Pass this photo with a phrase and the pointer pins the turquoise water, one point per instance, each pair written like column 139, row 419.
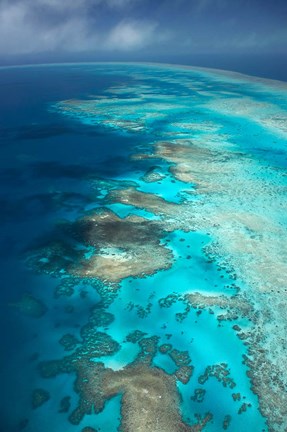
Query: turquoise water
column 71, row 136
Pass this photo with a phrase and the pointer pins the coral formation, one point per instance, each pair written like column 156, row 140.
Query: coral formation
column 121, row 248
column 142, row 200
column 228, row 195
column 65, row 404
column 39, row 397
column 30, row 306
column 150, row 399
column 220, row 372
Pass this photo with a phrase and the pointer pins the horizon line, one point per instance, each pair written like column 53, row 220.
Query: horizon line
column 214, row 71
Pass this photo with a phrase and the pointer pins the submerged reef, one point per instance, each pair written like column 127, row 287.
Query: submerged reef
column 69, row 342
column 65, row 404
column 234, row 210
column 220, row 372
column 226, row 422
column 30, row 306
column 120, row 248
column 150, row 202
column 39, row 397
column 89, row 429
column 196, row 164
column 153, row 174
column 94, row 344
column 150, row 399
column 199, row 394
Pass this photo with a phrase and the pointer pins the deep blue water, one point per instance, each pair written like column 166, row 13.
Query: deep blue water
column 45, row 163
column 267, row 65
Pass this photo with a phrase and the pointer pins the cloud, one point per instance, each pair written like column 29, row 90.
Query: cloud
column 97, row 26
column 20, row 33
column 64, row 5
column 32, row 26
column 131, row 34
column 120, row 3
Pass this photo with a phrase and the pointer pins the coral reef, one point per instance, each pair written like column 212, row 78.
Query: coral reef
column 65, row 404
column 150, row 399
column 231, row 196
column 69, row 342
column 198, row 395
column 39, row 397
column 220, row 372
column 154, row 174
column 142, row 200
column 226, row 422
column 30, row 306
column 122, row 248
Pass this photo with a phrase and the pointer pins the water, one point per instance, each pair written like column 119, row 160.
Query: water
column 71, row 137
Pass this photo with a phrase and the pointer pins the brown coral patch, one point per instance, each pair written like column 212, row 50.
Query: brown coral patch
column 150, row 399
column 117, row 248
column 147, row 201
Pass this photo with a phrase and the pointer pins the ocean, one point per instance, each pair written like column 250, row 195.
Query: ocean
column 143, row 253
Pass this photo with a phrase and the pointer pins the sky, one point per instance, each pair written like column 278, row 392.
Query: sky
column 141, row 29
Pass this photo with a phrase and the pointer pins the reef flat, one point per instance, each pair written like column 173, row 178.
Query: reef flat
column 164, row 305
column 150, row 399
column 105, row 247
